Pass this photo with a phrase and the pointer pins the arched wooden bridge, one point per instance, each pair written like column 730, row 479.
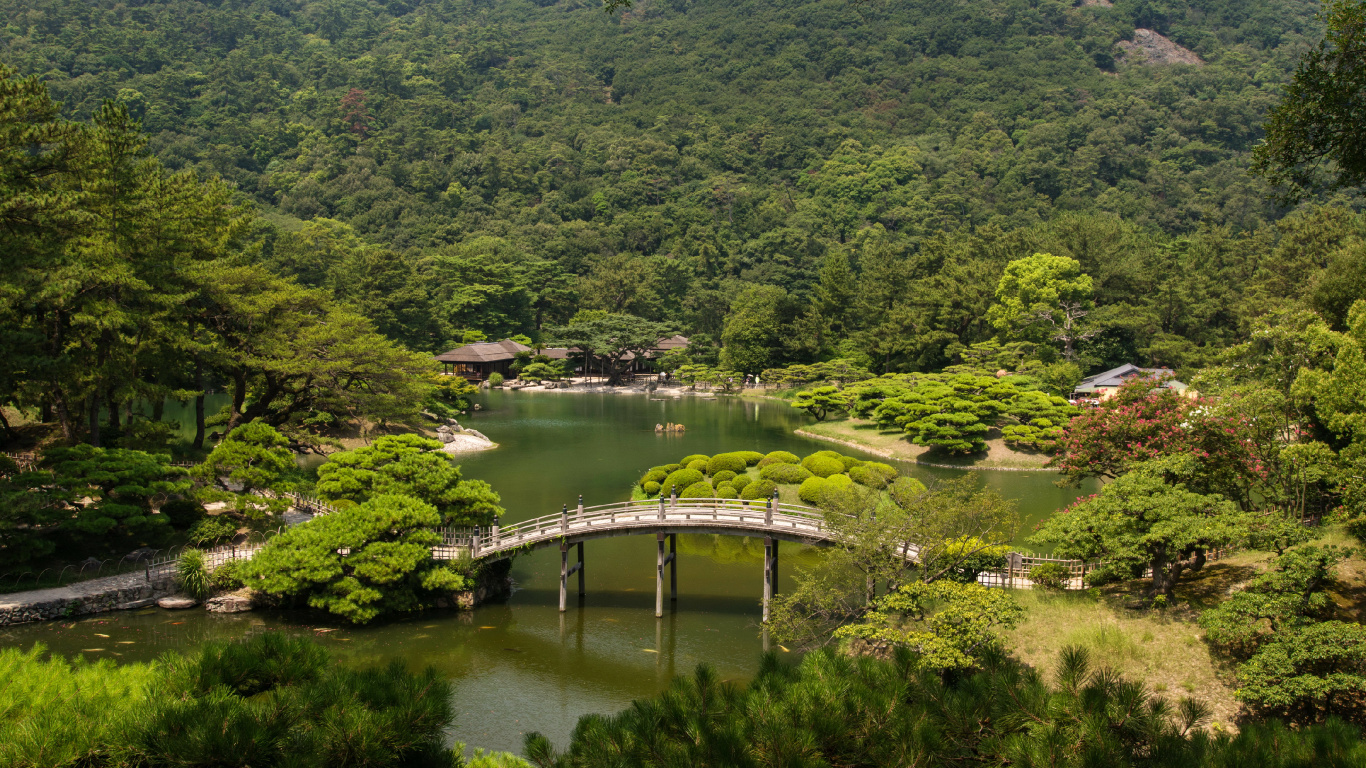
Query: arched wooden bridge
column 666, row 518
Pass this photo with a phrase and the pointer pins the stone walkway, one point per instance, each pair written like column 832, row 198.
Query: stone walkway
column 108, row 593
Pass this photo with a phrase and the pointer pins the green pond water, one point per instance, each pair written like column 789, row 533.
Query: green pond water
column 523, row 665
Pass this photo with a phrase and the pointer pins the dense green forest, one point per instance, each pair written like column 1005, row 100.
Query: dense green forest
column 847, row 178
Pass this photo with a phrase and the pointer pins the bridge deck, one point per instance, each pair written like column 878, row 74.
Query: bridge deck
column 730, row 516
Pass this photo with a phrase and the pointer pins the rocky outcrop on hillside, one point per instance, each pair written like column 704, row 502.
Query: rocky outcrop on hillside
column 1152, row 49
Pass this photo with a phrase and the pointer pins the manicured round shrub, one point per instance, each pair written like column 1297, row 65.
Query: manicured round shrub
column 740, row 481
column 873, row 474
column 680, row 479
column 672, row 467
column 779, row 457
column 759, row 489
column 837, row 488
column 698, row 490
column 651, row 488
column 655, row 476
column 827, row 454
column 812, row 489
column 724, row 476
column 182, row 513
column 784, row 474
column 751, row 457
column 727, row 492
column 699, row 465
column 686, row 460
column 850, row 462
column 823, row 466
column 723, row 462
column 1049, row 575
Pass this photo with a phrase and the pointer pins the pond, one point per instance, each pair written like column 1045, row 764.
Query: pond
column 522, row 665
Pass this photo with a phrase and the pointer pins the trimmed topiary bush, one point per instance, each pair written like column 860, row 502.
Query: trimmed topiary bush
column 724, row 476
column 698, row 490
column 672, row 467
column 182, row 513
column 751, row 457
column 723, row 462
column 812, row 489
column 740, row 481
column 727, row 492
column 681, row 479
column 779, row 457
column 785, row 474
column 651, row 488
column 850, row 462
column 1049, row 575
column 686, row 460
column 699, row 465
column 873, row 474
column 823, row 466
column 827, row 453
column 655, row 476
column 758, row 490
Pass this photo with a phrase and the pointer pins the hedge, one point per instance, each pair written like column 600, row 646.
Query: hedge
column 812, row 489
column 723, row 462
column 672, row 467
column 779, row 457
column 686, row 460
column 699, row 465
column 759, row 489
column 726, row 492
column 827, row 453
column 785, row 474
column 681, row 479
column 724, row 476
column 655, row 476
column 850, row 462
column 751, row 457
column 873, row 474
column 823, row 466
column 651, row 488
column 698, row 490
column 740, row 481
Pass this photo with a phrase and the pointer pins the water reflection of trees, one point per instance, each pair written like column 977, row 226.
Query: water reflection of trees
column 723, row 548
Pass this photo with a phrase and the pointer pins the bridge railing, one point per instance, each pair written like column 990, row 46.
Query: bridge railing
column 623, row 515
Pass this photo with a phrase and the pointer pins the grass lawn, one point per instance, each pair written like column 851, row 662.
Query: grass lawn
column 892, row 443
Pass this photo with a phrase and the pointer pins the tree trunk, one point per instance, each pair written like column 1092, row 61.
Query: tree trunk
column 64, row 415
column 114, row 423
column 95, row 420
column 239, row 397
column 198, row 404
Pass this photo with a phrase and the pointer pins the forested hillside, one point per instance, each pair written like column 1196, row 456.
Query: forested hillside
column 850, row 177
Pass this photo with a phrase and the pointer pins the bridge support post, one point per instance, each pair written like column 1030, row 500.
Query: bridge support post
column 564, row 519
column 770, row 571
column 580, row 548
column 673, row 567
column 659, row 576
column 564, row 575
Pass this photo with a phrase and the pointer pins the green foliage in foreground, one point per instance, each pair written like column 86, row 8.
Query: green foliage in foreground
column 262, row 702
column 832, row 710
column 361, row 561
column 1297, row 660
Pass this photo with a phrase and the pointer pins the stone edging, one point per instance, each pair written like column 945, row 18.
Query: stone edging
column 112, row 593
column 889, row 455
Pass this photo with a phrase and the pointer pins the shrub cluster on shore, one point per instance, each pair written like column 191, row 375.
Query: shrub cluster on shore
column 754, row 476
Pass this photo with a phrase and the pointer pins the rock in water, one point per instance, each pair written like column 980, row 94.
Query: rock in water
column 229, row 603
column 177, row 602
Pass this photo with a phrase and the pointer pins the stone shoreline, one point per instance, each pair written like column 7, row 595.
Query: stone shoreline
column 110, row 593
column 886, row 454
